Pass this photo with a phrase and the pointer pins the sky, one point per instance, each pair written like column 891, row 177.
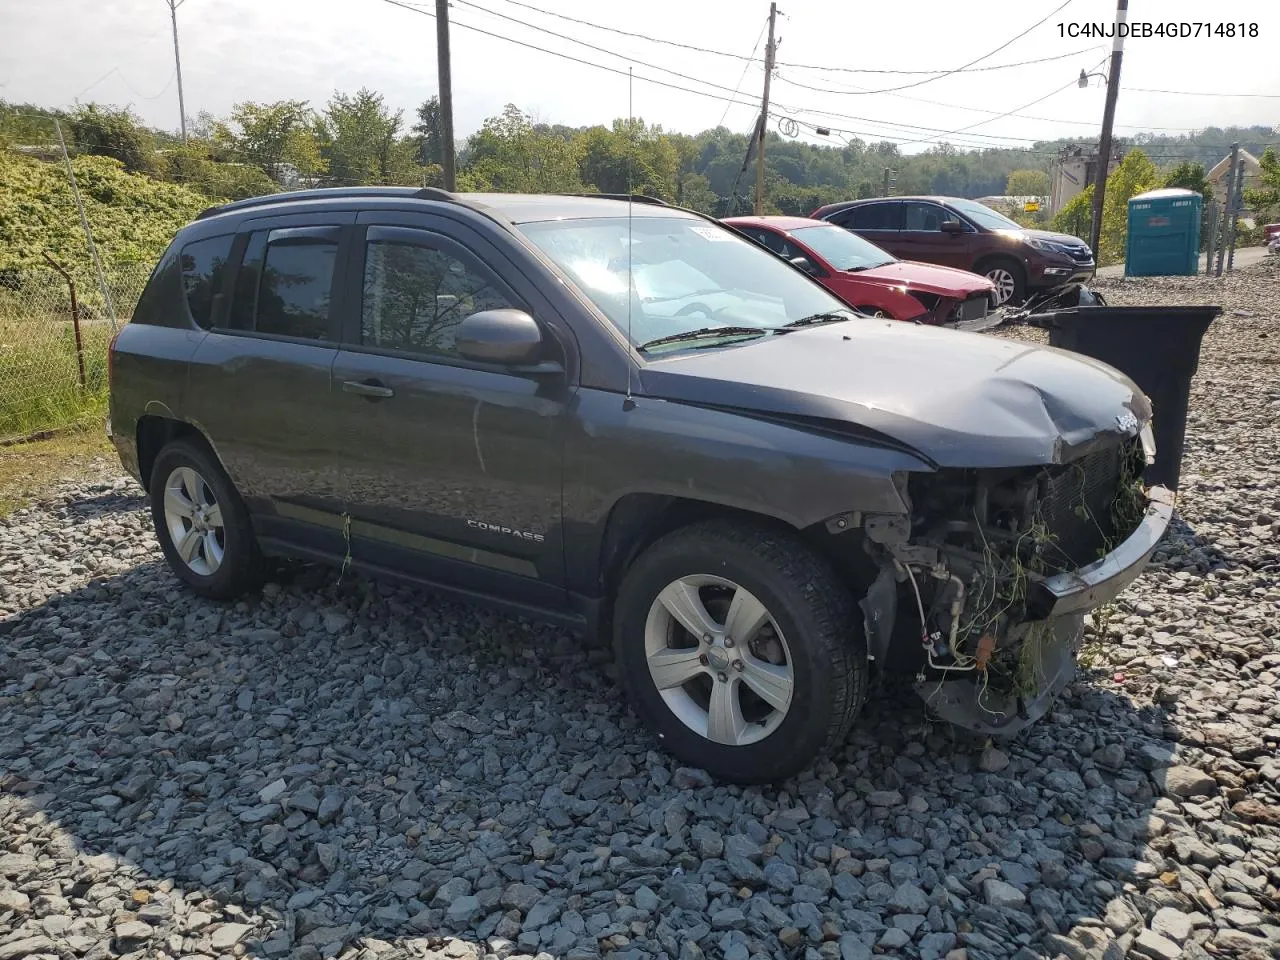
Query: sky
column 58, row 52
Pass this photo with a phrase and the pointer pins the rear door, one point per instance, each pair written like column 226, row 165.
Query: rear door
column 879, row 222
column 454, row 466
column 259, row 383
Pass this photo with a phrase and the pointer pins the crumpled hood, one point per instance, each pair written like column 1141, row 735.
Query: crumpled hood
column 958, row 399
column 927, row 277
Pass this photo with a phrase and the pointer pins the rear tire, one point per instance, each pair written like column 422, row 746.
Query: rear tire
column 202, row 524
column 781, row 693
column 1009, row 277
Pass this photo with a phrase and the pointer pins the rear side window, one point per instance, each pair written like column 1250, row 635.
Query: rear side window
column 204, row 262
column 285, row 283
column 874, row 216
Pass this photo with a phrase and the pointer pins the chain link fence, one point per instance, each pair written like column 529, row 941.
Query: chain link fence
column 54, row 332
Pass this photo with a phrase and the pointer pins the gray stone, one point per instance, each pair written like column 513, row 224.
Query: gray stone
column 909, row 898
column 993, row 760
column 1172, row 923
column 1150, row 944
column 17, row 949
column 935, row 946
column 463, row 910
column 645, row 899
column 686, row 894
column 852, row 948
column 1001, row 895
column 228, row 935
column 1184, row 781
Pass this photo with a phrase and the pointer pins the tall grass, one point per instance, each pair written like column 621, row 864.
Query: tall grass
column 40, row 385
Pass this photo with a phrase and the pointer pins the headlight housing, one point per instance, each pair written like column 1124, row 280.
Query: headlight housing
column 1048, row 246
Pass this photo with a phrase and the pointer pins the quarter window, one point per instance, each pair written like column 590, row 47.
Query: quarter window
column 923, row 216
column 204, row 263
column 415, row 296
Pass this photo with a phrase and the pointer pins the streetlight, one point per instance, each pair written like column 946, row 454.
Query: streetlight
column 1084, row 78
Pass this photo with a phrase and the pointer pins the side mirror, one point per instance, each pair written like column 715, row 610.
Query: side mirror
column 952, row 226
column 506, row 336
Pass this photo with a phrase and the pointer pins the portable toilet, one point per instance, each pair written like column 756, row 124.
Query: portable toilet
column 1164, row 233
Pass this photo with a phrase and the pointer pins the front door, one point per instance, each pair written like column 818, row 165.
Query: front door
column 879, row 222
column 453, row 468
column 922, row 237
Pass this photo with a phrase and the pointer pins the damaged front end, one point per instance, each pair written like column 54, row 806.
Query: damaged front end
column 983, row 587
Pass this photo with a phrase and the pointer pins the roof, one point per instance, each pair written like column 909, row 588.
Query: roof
column 1219, row 169
column 1165, row 193
column 778, row 223
column 514, row 207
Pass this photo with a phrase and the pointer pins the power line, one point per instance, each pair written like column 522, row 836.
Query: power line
column 798, row 66
column 585, row 63
column 745, row 70
column 971, row 109
column 971, row 63
column 1202, row 93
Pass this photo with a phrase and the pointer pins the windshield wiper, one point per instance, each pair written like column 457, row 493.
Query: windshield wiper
column 830, row 316
column 703, row 333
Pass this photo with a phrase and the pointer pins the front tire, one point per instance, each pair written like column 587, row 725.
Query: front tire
column 1010, row 280
column 741, row 649
column 202, row 524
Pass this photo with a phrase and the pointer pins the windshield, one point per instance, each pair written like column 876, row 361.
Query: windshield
column 842, row 249
column 984, row 216
column 686, row 275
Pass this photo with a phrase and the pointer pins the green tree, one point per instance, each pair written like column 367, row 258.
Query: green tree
column 360, row 137
column 1076, row 215
column 1136, row 174
column 1027, row 183
column 107, row 132
column 629, row 157
column 1265, row 198
column 1189, row 176
column 270, row 135
column 427, row 131
column 508, row 154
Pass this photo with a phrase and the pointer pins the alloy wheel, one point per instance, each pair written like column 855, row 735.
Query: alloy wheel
column 1005, row 284
column 719, row 660
column 194, row 521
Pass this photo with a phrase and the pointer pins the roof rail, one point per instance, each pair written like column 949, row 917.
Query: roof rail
column 336, row 193
column 634, row 197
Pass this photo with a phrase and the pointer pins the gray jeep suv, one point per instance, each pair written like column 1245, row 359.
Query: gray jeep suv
column 624, row 417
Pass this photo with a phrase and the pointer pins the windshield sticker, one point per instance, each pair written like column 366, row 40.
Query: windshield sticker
column 713, row 233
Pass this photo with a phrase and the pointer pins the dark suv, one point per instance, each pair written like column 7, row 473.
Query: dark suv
column 626, row 418
column 955, row 232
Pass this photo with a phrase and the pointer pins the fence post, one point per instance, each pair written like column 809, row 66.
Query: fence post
column 84, row 222
column 1238, row 207
column 1211, row 237
column 75, row 313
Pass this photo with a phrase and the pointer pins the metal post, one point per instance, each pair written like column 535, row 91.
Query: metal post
column 75, row 313
column 1228, row 213
column 1211, row 237
column 445, row 79
column 1237, row 207
column 177, row 65
column 84, row 222
column 1108, row 119
column 764, row 112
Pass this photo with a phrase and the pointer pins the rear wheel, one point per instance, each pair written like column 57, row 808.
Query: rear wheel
column 202, row 524
column 1009, row 278
column 740, row 648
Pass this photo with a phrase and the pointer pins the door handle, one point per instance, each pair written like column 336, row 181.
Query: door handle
column 367, row 388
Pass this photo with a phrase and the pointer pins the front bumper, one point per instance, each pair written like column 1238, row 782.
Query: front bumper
column 1057, row 273
column 1079, row 591
column 1056, row 608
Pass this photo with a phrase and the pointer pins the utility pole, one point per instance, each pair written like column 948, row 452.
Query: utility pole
column 885, row 191
column 446, row 94
column 1108, row 118
column 177, row 63
column 1229, row 207
column 764, row 111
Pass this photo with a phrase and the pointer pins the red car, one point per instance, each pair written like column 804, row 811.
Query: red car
column 868, row 278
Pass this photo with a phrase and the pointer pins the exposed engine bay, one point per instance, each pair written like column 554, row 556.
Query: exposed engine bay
column 964, row 576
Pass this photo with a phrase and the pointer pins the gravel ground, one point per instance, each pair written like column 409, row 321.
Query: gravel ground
column 341, row 768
